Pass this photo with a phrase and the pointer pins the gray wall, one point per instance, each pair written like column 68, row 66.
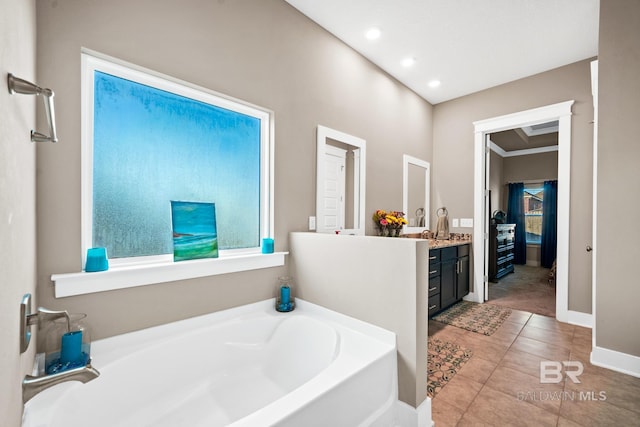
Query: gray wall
column 17, row 199
column 261, row 51
column 617, row 286
column 541, row 166
column 518, row 169
column 453, row 144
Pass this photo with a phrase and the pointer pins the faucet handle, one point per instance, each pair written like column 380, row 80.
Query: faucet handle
column 44, row 314
column 29, row 319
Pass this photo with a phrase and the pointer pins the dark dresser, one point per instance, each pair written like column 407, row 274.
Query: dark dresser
column 501, row 247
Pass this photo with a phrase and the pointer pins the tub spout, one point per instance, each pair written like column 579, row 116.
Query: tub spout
column 33, row 385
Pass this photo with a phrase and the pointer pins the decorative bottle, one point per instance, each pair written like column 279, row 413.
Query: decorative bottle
column 284, row 295
column 67, row 343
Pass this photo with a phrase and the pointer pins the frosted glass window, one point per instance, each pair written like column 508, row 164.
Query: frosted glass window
column 151, row 145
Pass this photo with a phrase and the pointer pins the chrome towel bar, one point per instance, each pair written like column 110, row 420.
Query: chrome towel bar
column 18, row 85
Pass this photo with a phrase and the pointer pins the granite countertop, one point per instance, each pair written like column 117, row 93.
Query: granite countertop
column 433, row 243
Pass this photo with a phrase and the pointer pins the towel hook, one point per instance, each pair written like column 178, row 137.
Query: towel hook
column 18, row 85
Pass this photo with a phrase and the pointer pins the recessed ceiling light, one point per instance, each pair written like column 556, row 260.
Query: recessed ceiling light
column 408, row 62
column 373, row 33
column 434, row 83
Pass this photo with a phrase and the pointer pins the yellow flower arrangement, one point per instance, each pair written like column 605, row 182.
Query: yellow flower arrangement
column 389, row 222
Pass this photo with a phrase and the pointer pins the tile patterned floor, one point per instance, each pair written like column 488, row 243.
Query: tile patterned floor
column 500, row 385
column 527, row 288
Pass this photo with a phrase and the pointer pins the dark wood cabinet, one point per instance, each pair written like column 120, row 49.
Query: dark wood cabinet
column 463, row 274
column 448, row 276
column 434, row 282
column 501, row 250
column 449, row 270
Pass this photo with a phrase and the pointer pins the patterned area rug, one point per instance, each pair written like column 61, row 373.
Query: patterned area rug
column 481, row 318
column 444, row 360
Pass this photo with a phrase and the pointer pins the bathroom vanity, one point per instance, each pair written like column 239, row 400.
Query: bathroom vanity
column 448, row 274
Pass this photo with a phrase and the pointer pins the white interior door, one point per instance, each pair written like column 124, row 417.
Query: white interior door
column 487, row 214
column 334, row 188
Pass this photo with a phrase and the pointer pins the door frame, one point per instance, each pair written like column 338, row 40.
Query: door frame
column 340, row 154
column 323, row 135
column 561, row 112
column 594, row 230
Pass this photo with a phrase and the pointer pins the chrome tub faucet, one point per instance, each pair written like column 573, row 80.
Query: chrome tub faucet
column 33, row 385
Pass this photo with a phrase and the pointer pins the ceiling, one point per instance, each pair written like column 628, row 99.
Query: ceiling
column 467, row 45
column 543, row 135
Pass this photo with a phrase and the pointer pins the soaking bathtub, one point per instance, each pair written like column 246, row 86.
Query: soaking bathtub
column 246, row 366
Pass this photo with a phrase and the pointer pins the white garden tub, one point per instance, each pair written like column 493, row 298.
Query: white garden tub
column 247, row 366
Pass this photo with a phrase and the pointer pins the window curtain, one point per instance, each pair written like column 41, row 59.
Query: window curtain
column 548, row 247
column 515, row 215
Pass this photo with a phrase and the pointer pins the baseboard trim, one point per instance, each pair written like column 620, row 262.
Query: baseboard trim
column 410, row 416
column 473, row 297
column 580, row 319
column 616, row 361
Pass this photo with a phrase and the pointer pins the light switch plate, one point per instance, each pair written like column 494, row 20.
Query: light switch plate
column 466, row 222
column 312, row 223
column 454, row 223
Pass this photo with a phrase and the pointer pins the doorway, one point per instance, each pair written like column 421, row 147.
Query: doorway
column 562, row 113
column 520, row 162
column 523, row 168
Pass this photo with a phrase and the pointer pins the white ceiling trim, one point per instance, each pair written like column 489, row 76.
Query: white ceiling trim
column 502, row 153
column 535, row 131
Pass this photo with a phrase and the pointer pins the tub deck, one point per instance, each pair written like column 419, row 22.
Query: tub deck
column 247, row 366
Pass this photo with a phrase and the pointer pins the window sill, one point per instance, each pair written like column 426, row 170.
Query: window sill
column 70, row 284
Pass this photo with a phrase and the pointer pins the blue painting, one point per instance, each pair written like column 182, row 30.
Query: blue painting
column 194, row 230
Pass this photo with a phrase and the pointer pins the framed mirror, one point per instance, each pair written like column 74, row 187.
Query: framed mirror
column 340, row 182
column 416, row 179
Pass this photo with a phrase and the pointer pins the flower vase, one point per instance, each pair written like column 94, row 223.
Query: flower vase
column 384, row 232
column 393, row 232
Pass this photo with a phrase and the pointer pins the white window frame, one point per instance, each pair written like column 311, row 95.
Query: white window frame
column 528, row 242
column 146, row 270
